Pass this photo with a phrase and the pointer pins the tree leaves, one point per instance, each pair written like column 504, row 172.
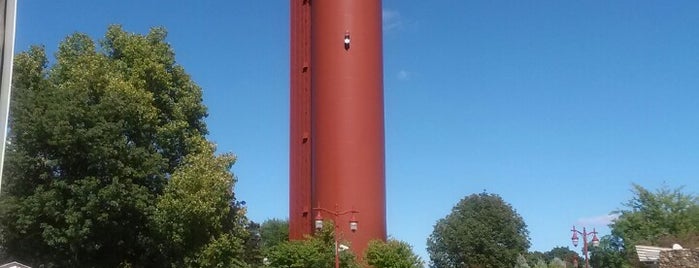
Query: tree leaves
column 481, row 231
column 108, row 164
column 195, row 208
column 316, row 251
column 273, row 232
column 391, row 254
column 660, row 218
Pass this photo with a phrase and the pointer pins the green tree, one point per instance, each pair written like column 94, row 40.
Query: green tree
column 94, row 140
column 197, row 225
column 557, row 263
column 540, row 263
column 482, row 230
column 609, row 253
column 534, row 256
column 661, row 218
column 253, row 245
column 563, row 253
column 391, row 254
column 316, row 251
column 273, row 232
column 521, row 262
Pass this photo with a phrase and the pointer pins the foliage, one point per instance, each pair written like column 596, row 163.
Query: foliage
column 108, row 164
column 194, row 217
column 223, row 251
column 660, row 218
column 557, row 263
column 391, row 254
column 565, row 254
column 534, row 256
column 521, row 262
column 316, row 251
column 273, row 232
column 609, row 253
column 252, row 254
column 540, row 264
column 482, row 230
column 297, row 254
column 650, row 216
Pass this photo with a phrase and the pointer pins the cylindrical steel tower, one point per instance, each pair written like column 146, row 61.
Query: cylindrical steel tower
column 347, row 114
column 300, row 187
column 347, row 123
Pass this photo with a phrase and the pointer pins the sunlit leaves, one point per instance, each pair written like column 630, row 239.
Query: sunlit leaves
column 659, row 218
column 391, row 254
column 314, row 252
column 95, row 137
column 481, row 229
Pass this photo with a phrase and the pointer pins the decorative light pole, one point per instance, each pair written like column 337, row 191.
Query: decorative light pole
column 585, row 234
column 8, row 11
column 353, row 225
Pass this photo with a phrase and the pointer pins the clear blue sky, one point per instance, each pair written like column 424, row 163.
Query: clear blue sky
column 558, row 106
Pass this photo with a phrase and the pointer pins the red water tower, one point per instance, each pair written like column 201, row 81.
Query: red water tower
column 337, row 122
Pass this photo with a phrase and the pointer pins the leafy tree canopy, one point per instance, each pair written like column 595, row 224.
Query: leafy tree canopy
column 661, row 218
column 482, row 230
column 540, row 264
column 557, row 263
column 534, row 256
column 521, row 262
column 194, row 218
column 564, row 254
column 108, row 164
column 273, row 232
column 609, row 253
column 391, row 254
column 316, row 251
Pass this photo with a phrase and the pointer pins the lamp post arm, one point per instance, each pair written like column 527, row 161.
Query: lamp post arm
column 585, row 247
column 337, row 213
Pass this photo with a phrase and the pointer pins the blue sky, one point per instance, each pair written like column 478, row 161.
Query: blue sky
column 557, row 106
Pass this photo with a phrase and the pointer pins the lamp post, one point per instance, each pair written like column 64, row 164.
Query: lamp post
column 353, row 224
column 585, row 234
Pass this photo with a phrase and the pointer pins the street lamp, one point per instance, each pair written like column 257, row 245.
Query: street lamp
column 585, row 234
column 353, row 226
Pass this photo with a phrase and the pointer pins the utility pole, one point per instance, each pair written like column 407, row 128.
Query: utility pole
column 7, row 47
